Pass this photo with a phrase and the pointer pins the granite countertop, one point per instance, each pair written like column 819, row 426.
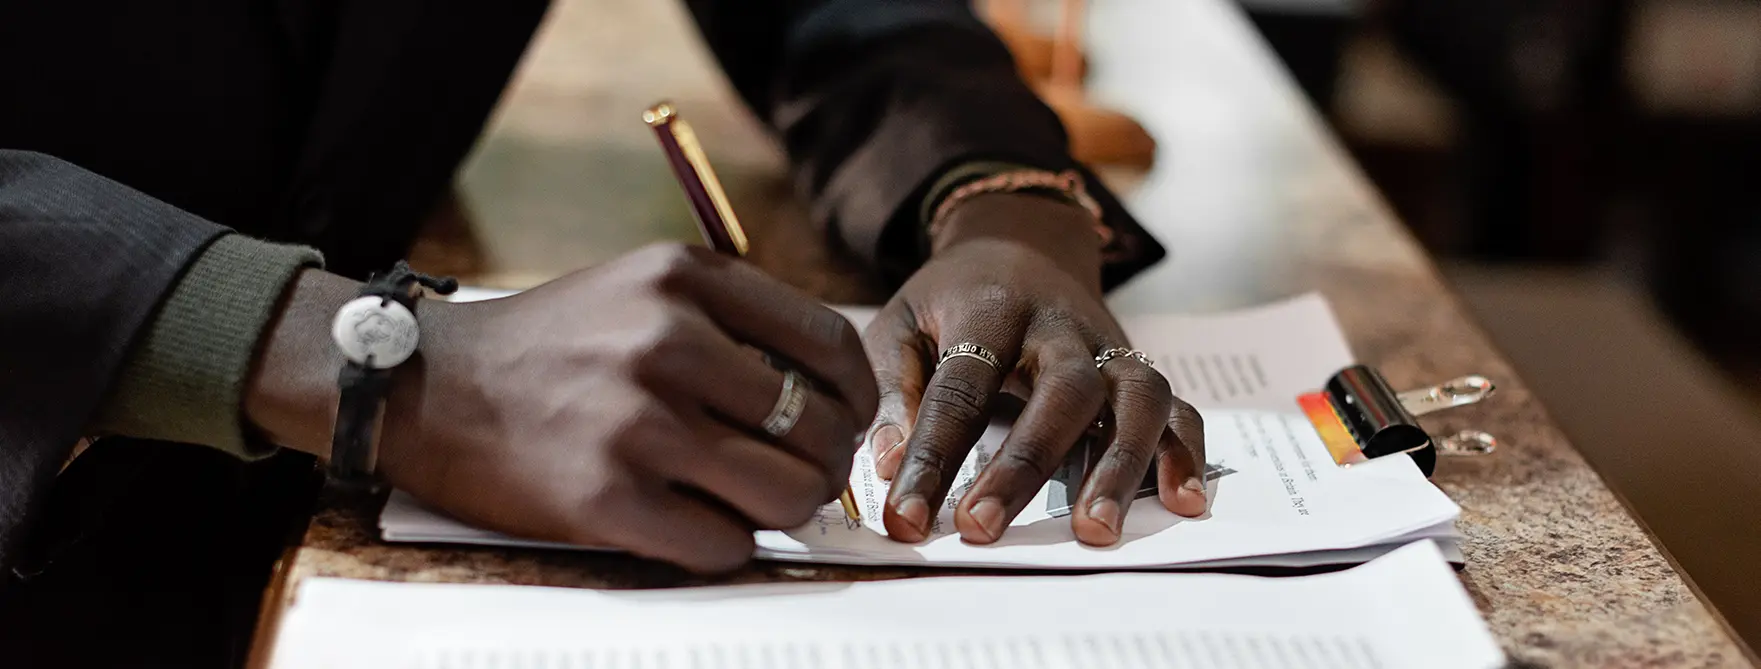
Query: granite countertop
column 1563, row 575
column 1256, row 202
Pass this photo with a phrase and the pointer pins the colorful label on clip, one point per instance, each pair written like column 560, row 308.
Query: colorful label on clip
column 1331, row 427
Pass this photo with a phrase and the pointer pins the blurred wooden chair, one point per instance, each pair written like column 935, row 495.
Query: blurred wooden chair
column 1055, row 66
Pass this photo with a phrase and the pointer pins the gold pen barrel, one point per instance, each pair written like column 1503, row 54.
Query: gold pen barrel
column 715, row 216
column 709, row 203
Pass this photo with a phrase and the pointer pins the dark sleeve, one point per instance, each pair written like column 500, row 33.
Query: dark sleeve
column 875, row 100
column 84, row 261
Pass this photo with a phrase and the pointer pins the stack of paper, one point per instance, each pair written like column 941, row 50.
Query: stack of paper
column 1403, row 610
column 1278, row 498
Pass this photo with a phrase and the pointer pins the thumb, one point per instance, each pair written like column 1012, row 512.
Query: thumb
column 901, row 356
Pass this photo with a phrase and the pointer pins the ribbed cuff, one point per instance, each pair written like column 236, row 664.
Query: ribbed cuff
column 185, row 379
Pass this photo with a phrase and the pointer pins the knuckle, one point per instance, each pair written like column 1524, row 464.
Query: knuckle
column 955, row 398
column 1083, row 380
column 557, row 410
column 931, row 461
column 1073, row 396
column 1058, row 318
column 642, row 429
column 994, row 298
column 607, row 497
column 1182, row 417
column 1148, row 382
column 1036, row 460
column 1141, row 391
column 662, row 351
column 1132, row 459
column 1189, row 428
column 669, row 267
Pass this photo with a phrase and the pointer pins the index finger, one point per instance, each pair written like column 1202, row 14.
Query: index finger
column 951, row 417
column 769, row 314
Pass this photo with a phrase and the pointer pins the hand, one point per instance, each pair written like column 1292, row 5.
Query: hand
column 1019, row 274
column 618, row 407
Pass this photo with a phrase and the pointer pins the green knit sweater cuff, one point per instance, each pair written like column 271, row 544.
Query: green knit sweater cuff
column 185, row 379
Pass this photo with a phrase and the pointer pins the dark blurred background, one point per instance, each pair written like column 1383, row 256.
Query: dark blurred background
column 1586, row 173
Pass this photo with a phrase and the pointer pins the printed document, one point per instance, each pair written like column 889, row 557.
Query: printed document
column 1278, row 498
column 1406, row 609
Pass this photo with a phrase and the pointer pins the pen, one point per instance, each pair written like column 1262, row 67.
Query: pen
column 715, row 217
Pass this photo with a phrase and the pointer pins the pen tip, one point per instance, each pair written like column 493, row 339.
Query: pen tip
column 660, row 113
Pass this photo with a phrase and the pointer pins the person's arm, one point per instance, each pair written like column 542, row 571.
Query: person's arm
column 184, row 380
column 84, row 263
column 876, row 101
column 615, row 407
column 578, row 411
column 882, row 106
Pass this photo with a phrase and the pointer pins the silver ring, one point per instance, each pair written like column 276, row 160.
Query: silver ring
column 970, row 350
column 789, row 407
column 1121, row 352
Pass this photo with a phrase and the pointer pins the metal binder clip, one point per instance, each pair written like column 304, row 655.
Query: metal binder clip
column 1467, row 442
column 1447, row 395
column 1360, row 417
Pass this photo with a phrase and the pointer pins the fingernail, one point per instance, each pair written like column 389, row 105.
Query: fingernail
column 1191, row 498
column 989, row 514
column 915, row 512
column 887, row 438
column 889, row 442
column 1106, row 511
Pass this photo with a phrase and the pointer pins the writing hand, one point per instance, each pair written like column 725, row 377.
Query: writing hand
column 621, row 407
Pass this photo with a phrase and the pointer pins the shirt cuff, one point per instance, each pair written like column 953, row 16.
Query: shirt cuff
column 185, row 379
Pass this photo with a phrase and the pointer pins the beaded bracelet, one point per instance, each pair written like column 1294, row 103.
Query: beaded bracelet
column 1067, row 184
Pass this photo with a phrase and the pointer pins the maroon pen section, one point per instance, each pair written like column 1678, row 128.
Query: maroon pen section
column 709, row 220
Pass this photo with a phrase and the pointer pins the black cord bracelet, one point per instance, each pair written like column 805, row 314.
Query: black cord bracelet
column 376, row 332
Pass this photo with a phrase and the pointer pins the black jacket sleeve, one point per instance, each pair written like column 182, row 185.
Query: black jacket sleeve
column 874, row 100
column 84, row 262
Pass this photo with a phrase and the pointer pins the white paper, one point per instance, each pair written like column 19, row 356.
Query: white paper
column 1275, row 490
column 1405, row 609
column 475, row 294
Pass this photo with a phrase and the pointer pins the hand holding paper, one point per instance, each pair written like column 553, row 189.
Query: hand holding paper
column 1018, row 277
